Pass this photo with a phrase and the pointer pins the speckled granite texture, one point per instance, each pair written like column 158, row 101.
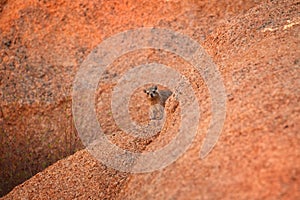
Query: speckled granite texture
column 255, row 45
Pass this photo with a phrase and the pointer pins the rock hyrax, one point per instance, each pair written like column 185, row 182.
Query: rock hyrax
column 157, row 100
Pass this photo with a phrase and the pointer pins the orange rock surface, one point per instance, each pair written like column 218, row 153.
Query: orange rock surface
column 255, row 45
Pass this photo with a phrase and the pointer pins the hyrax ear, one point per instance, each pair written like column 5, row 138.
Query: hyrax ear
column 145, row 90
column 155, row 87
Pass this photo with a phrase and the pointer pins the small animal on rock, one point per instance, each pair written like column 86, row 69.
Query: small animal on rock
column 157, row 100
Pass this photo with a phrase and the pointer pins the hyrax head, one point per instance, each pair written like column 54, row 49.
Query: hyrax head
column 152, row 92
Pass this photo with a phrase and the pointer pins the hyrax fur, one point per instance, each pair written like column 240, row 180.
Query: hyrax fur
column 157, row 100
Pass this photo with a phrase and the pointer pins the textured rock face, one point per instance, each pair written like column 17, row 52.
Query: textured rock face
column 256, row 48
